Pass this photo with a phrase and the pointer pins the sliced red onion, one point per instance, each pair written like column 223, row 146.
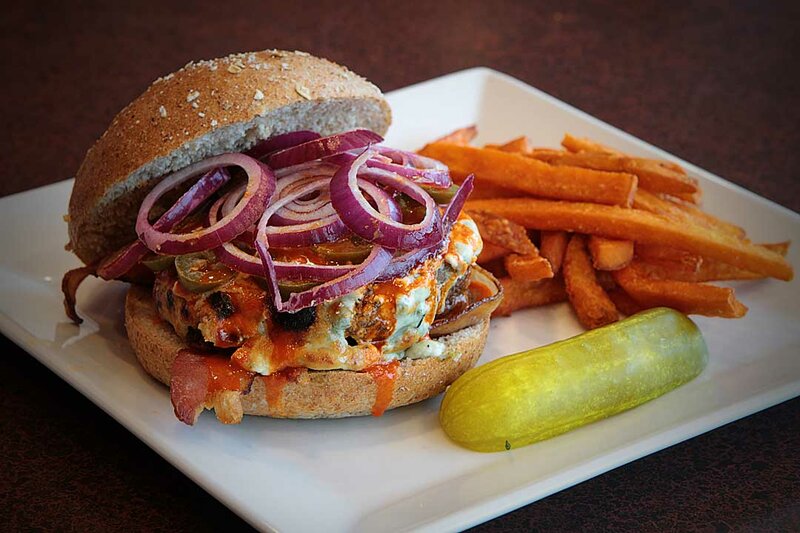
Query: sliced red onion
column 249, row 264
column 326, row 229
column 116, row 265
column 418, row 167
column 314, row 231
column 363, row 274
column 303, row 210
column 246, row 263
column 402, row 264
column 281, row 142
column 456, row 204
column 363, row 220
column 436, row 177
column 323, row 147
column 307, row 169
column 260, row 187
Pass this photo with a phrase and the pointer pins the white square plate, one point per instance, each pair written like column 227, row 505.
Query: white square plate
column 400, row 472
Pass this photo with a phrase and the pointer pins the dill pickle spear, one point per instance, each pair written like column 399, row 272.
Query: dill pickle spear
column 537, row 394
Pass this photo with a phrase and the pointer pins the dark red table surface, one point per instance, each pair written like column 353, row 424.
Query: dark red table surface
column 716, row 84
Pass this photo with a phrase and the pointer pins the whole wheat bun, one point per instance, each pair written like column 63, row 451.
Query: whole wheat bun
column 205, row 109
column 315, row 394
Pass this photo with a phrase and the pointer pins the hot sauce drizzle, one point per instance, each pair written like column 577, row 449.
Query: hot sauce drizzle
column 384, row 375
column 286, row 347
column 224, row 375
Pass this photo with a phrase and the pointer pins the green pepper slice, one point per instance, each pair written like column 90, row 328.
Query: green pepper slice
column 287, row 288
column 201, row 272
column 345, row 251
column 157, row 263
column 441, row 195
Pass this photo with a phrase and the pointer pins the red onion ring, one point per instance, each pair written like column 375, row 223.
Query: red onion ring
column 436, row 176
column 260, row 187
column 281, row 142
column 246, row 263
column 410, row 165
column 363, row 220
column 456, row 204
column 363, row 274
column 302, row 210
column 314, row 231
column 402, row 264
column 323, row 147
column 120, row 263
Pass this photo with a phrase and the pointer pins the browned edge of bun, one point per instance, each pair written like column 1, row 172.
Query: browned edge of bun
column 315, row 394
column 205, row 109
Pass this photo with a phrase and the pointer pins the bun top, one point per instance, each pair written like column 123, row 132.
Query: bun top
column 204, row 109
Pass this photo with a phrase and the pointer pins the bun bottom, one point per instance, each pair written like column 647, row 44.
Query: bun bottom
column 314, row 394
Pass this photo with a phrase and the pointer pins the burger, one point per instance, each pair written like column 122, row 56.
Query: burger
column 282, row 260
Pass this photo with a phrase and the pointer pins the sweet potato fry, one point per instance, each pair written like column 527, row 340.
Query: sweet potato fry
column 591, row 303
column 652, row 175
column 577, row 144
column 716, row 271
column 690, row 197
column 490, row 252
column 703, row 270
column 520, row 145
column 638, row 226
column 518, row 294
column 665, row 269
column 610, row 254
column 534, row 177
column 552, row 247
column 460, row 136
column 485, row 189
column 682, row 212
column 687, row 297
column 623, row 302
column 657, row 253
column 778, row 247
column 529, row 267
column 502, row 232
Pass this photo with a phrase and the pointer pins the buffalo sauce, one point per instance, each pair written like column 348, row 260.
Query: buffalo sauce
column 287, row 346
column 224, row 375
column 274, row 384
column 300, row 254
column 478, row 291
column 384, row 375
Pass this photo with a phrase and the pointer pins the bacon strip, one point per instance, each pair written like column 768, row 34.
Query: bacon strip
column 188, row 386
column 201, row 380
column 69, row 286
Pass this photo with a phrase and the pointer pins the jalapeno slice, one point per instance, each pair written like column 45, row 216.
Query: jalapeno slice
column 344, row 251
column 157, row 263
column 288, row 288
column 413, row 211
column 441, row 195
column 201, row 272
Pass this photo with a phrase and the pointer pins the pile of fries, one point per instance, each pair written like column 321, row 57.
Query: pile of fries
column 613, row 234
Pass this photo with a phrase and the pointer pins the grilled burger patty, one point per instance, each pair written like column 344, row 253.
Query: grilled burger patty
column 377, row 323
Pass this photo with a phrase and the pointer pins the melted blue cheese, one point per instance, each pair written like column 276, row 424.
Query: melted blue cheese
column 425, row 348
column 411, row 309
